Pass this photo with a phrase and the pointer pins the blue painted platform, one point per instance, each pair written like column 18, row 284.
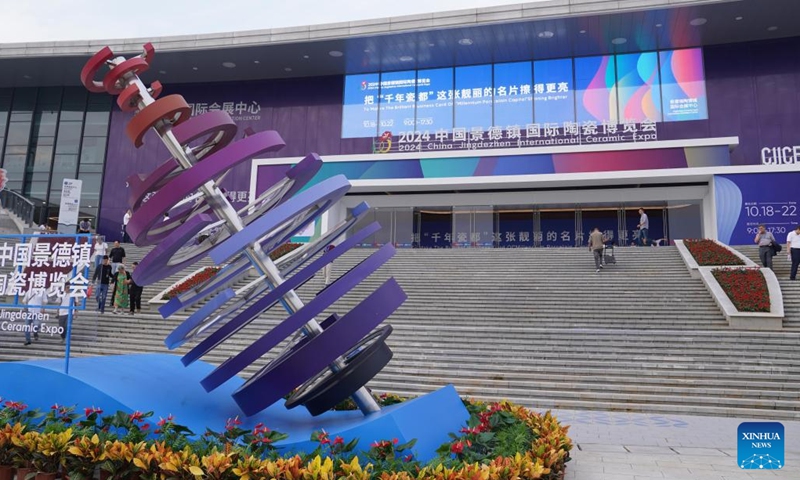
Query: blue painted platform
column 161, row 383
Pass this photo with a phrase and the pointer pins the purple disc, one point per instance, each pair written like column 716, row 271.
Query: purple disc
column 245, row 317
column 190, row 180
column 273, row 382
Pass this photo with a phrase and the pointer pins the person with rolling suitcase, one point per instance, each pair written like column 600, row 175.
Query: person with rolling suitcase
column 596, row 246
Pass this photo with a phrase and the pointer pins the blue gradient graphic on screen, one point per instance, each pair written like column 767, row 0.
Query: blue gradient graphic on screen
column 638, row 86
column 683, row 85
column 595, row 80
column 360, row 110
column 473, row 112
column 434, row 108
column 661, row 86
column 558, row 106
column 397, row 101
column 761, row 446
column 513, row 94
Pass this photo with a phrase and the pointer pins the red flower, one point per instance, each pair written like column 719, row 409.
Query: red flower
column 408, row 457
column 710, row 253
column 338, row 440
column 746, row 287
column 146, row 426
column 54, row 407
column 136, row 416
column 395, row 441
column 457, row 447
column 91, row 410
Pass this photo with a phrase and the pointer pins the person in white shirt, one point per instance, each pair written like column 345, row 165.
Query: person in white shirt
column 100, row 250
column 63, row 313
column 125, row 219
column 644, row 228
column 793, row 247
column 35, row 299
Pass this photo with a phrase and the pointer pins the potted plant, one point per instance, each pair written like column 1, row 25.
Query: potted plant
column 83, row 456
column 7, row 435
column 24, row 446
column 49, row 455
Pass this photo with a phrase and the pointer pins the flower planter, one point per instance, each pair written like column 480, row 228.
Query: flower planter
column 772, row 320
column 46, row 476
column 6, row 472
column 693, row 266
column 23, row 473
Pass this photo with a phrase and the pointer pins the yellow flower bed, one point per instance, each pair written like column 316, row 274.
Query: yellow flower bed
column 80, row 456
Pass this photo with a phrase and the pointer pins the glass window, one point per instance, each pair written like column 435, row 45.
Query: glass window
column 73, row 104
column 42, row 156
column 69, row 137
column 23, row 105
column 96, row 124
column 44, row 124
column 93, row 151
column 19, row 133
column 66, row 164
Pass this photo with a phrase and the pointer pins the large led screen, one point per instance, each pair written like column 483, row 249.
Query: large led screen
column 398, row 101
column 666, row 86
column 471, row 110
column 683, row 85
column 595, row 80
column 360, row 110
column 513, row 98
column 434, row 99
column 554, row 93
column 638, row 87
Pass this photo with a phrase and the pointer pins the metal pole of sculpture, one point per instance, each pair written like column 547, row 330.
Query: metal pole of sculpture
column 165, row 116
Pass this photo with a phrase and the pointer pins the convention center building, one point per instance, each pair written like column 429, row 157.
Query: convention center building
column 515, row 126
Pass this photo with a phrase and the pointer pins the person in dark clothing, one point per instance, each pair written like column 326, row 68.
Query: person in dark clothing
column 117, row 256
column 102, row 278
column 136, row 293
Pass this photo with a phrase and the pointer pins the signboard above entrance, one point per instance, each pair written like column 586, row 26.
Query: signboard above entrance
column 531, row 135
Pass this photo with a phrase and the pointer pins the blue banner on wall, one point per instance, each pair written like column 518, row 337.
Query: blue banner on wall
column 746, row 201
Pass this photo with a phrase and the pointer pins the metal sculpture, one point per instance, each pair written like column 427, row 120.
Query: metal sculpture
column 330, row 360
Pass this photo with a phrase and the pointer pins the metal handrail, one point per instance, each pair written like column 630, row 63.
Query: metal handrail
column 18, row 205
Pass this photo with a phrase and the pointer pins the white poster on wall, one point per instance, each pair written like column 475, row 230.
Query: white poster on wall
column 70, row 205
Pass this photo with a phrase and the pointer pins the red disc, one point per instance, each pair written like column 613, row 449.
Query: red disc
column 172, row 109
column 92, row 66
column 112, row 80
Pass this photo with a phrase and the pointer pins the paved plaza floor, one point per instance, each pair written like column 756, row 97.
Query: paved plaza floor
column 633, row 446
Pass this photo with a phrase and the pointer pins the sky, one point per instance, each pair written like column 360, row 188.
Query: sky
column 59, row 20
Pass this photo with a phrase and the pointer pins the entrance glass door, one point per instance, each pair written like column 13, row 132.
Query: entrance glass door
column 435, row 227
column 607, row 220
column 557, row 228
column 515, row 227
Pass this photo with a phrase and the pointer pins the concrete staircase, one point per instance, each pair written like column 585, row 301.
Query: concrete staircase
column 791, row 290
column 536, row 326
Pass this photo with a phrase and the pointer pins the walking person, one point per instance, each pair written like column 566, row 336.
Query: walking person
column 596, row 243
column 35, row 299
column 102, row 277
column 793, row 247
column 117, row 256
column 328, row 267
column 135, row 292
column 125, row 219
column 120, row 295
column 100, row 251
column 644, row 228
column 63, row 315
column 84, row 226
column 764, row 240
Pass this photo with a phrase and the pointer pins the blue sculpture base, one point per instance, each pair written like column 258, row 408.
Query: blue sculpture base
column 160, row 382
